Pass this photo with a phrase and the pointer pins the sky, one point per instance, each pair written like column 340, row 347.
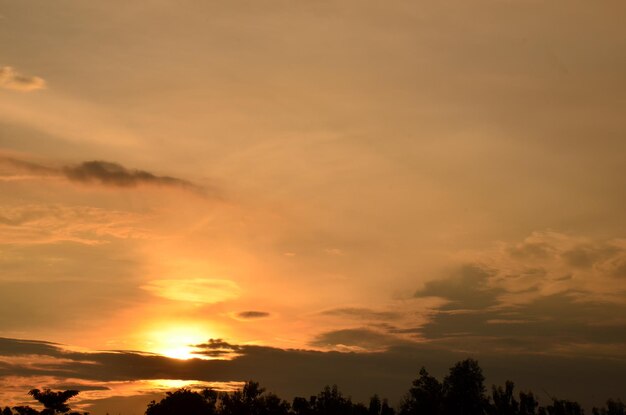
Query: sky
column 308, row 193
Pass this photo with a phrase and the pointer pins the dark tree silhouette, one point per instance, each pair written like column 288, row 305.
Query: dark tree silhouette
column 53, row 402
column 527, row 403
column 612, row 408
column 183, row 401
column 302, row 406
column 464, row 389
column 25, row 410
column 7, row 411
column 375, row 405
column 425, row 397
column 564, row 407
column 504, row 402
column 331, row 402
column 385, row 409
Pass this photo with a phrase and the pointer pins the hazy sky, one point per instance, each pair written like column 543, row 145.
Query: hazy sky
column 381, row 185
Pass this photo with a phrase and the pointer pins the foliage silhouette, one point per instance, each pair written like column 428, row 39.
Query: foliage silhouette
column 183, row 401
column 53, row 402
column 464, row 389
column 462, row 392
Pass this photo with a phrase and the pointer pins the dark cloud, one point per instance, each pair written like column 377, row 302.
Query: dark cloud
column 465, row 289
column 362, row 313
column 113, row 174
column 360, row 337
column 587, row 256
column 102, row 172
column 248, row 315
column 549, row 323
column 11, row 79
column 218, row 348
column 290, row 372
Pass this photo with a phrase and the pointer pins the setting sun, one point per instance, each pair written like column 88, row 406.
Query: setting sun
column 178, row 342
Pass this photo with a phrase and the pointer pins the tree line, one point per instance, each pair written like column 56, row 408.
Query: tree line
column 462, row 392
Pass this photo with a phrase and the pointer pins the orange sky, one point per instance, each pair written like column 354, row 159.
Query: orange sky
column 348, row 176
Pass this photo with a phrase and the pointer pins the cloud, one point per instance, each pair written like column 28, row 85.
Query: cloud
column 31, row 224
column 248, row 315
column 358, row 339
column 291, row 372
column 362, row 313
column 11, row 79
column 194, row 290
column 113, row 174
column 467, row 288
column 551, row 293
column 101, row 172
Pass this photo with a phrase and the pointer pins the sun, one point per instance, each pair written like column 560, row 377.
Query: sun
column 178, row 341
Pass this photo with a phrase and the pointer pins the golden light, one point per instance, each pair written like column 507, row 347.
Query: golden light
column 177, row 341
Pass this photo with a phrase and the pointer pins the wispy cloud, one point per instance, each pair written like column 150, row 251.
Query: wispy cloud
column 252, row 315
column 99, row 172
column 12, row 79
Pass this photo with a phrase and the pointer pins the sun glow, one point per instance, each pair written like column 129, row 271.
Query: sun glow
column 179, row 342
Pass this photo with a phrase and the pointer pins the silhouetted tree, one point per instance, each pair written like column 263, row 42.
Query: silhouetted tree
column 464, row 390
column 425, row 397
column 25, row 410
column 331, row 402
column 301, row 406
column 504, row 402
column 211, row 397
column 183, row 401
column 564, row 407
column 53, row 402
column 7, row 411
column 273, row 405
column 385, row 409
column 527, row 403
column 375, row 405
column 612, row 408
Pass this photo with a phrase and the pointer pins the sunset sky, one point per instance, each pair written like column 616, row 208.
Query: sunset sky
column 340, row 191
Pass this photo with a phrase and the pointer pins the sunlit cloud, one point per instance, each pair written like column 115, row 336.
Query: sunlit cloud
column 12, row 79
column 194, row 290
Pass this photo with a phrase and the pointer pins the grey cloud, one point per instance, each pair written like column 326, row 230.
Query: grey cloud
column 113, row 174
column 246, row 315
column 291, row 372
column 586, row 256
column 104, row 173
column 362, row 313
column 11, row 79
column 359, row 337
column 465, row 289
column 559, row 322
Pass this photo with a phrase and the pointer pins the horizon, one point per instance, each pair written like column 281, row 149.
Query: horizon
column 217, row 192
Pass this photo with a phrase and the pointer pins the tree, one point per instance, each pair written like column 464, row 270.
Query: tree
column 375, row 405
column 464, row 389
column 25, row 410
column 527, row 403
column 7, row 411
column 385, row 409
column 331, row 402
column 182, row 401
column 53, row 402
column 243, row 402
column 564, row 407
column 425, row 397
column 612, row 408
column 504, row 402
